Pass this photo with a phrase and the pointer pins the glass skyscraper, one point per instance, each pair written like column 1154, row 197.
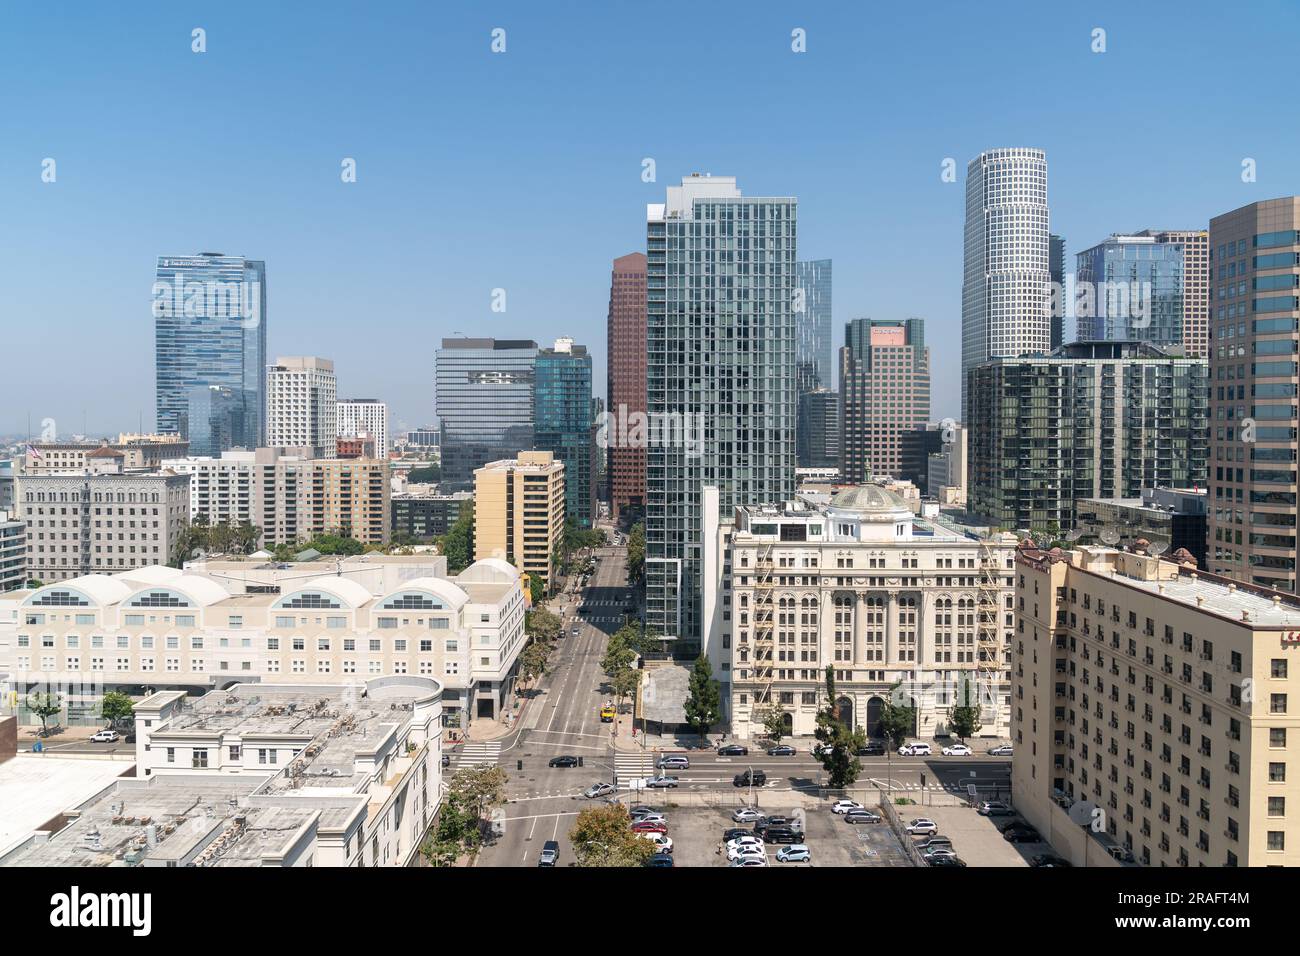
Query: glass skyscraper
column 1135, row 286
column 720, row 378
column 813, row 325
column 210, row 330
column 562, row 422
column 213, row 421
column 483, row 393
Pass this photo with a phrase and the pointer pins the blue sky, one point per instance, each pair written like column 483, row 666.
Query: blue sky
column 522, row 170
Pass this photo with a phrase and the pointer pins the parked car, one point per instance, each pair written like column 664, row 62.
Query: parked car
column 844, row 806
column 945, row 859
column 934, row 842
column 662, row 840
column 607, row 714
column 550, row 854
column 446, row 760
column 1020, row 833
column 736, row 833
column 598, row 790
column 796, row 853
column 754, row 778
column 862, row 816
column 749, row 861
column 781, row 750
column 640, row 808
column 745, row 849
column 747, row 840
column 659, row 860
column 733, row 750
column 922, row 827
column 649, row 826
column 673, row 762
column 782, row 834
column 914, row 750
column 957, row 750
column 663, row 781
column 938, row 852
column 872, row 749
column 994, row 808
column 1048, row 860
column 745, row 815
column 654, row 816
column 565, row 761
column 105, row 737
column 1002, row 750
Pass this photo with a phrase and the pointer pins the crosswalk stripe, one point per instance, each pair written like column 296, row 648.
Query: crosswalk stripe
column 477, row 754
column 631, row 766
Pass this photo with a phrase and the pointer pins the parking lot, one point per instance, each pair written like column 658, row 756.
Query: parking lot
column 697, row 834
column 976, row 840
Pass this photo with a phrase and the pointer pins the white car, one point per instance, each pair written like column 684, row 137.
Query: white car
column 749, row 861
column 922, row 827
column 746, row 852
column 745, row 815
column 649, row 817
column 105, row 737
column 914, row 750
column 957, row 750
column 662, row 841
column 739, row 842
column 798, row 853
column 844, row 806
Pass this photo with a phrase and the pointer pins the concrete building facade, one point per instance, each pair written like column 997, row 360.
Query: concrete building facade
column 519, row 512
column 625, row 383
column 302, row 405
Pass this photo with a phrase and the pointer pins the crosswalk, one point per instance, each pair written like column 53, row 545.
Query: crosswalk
column 477, row 754
column 633, row 766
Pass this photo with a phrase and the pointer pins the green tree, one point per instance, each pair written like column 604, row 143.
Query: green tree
column 618, row 656
column 536, row 588
column 425, row 474
column 636, row 553
column 772, row 718
column 625, row 682
column 704, row 698
column 533, row 661
column 965, row 718
column 336, row 542
column 478, row 789
column 839, row 743
column 45, row 706
column 602, row 836
column 542, row 624
column 897, row 718
column 116, row 708
column 458, row 543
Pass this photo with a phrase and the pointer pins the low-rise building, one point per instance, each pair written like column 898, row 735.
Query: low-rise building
column 421, row 514
column 1155, row 709
column 266, row 775
column 162, row 628
column 865, row 585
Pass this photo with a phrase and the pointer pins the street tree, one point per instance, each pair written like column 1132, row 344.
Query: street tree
column 602, row 836
column 704, row 698
column 45, row 705
column 542, row 624
column 116, row 708
column 965, row 718
column 839, row 743
column 772, row 717
column 897, row 717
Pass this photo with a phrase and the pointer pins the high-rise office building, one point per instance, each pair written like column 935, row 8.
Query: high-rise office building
column 819, row 429
column 721, row 364
column 484, row 401
column 625, row 384
column 1140, row 288
column 1005, row 301
column 301, row 405
column 357, row 417
column 1056, row 269
column 1090, row 420
column 210, row 329
column 813, row 336
column 884, row 392
column 562, row 424
column 1255, row 334
column 1196, row 285
column 213, row 420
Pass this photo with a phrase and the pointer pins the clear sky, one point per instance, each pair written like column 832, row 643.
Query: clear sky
column 522, row 170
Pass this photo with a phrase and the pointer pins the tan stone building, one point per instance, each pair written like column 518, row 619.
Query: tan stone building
column 1154, row 711
column 519, row 512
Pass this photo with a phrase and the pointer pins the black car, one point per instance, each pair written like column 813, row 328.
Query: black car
column 1021, row 834
column 762, row 823
column 660, row 859
column 734, row 833
column 754, row 778
column 733, row 750
column 565, row 761
column 782, row 834
column 782, row 750
column 1049, row 860
column 872, row 750
column 946, row 861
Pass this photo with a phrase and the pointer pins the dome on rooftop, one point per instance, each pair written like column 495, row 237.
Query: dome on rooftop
column 869, row 499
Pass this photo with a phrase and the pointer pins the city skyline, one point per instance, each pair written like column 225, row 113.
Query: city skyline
column 412, row 281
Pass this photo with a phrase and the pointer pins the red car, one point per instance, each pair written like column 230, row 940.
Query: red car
column 649, row 826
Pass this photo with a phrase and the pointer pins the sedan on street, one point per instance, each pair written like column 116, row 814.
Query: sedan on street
column 957, row 750
column 733, row 750
column 565, row 761
column 783, row 750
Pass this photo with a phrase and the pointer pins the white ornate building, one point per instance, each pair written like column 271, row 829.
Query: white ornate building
column 867, row 586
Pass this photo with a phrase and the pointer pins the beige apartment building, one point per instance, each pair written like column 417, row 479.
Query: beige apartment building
column 302, row 405
column 292, row 497
column 137, row 452
column 885, row 596
column 1155, row 710
column 519, row 512
column 158, row 628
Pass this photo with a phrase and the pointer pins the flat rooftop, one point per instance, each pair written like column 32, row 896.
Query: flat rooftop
column 36, row 788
